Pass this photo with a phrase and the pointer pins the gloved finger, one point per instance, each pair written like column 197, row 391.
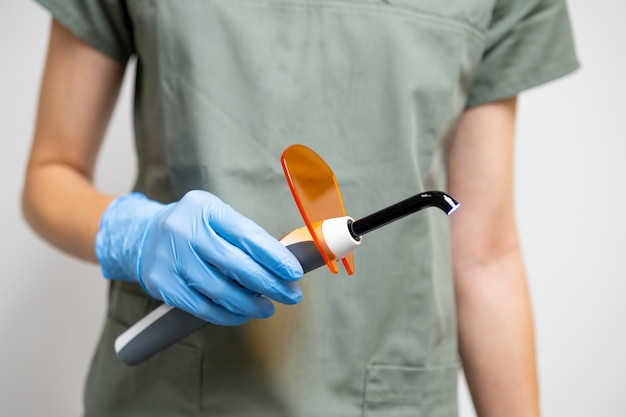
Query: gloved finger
column 202, row 307
column 232, row 262
column 223, row 291
column 252, row 239
column 253, row 276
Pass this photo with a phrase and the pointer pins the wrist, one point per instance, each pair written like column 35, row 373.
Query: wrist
column 120, row 237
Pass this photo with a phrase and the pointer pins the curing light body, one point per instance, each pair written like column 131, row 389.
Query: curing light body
column 339, row 237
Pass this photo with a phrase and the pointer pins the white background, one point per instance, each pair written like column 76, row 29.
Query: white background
column 570, row 198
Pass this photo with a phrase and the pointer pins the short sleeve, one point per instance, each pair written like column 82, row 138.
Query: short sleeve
column 103, row 24
column 529, row 42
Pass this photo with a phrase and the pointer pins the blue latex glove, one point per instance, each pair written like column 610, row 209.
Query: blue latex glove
column 199, row 255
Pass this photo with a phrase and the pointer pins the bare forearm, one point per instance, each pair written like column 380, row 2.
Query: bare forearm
column 496, row 337
column 78, row 92
column 494, row 313
column 61, row 205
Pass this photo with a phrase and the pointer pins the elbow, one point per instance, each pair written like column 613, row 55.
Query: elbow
column 35, row 198
column 28, row 203
column 471, row 258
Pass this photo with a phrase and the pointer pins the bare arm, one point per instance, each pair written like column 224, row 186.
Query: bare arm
column 494, row 314
column 79, row 89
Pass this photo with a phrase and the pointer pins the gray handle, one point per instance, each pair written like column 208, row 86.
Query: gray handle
column 167, row 325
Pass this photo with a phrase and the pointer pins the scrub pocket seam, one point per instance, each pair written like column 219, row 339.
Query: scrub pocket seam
column 395, row 390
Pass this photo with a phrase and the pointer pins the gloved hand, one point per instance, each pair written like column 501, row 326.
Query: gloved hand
column 199, row 255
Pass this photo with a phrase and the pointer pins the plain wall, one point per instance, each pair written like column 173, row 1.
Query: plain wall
column 569, row 197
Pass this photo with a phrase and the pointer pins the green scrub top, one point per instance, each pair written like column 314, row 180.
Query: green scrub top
column 375, row 87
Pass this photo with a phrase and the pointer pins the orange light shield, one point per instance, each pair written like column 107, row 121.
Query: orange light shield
column 317, row 195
